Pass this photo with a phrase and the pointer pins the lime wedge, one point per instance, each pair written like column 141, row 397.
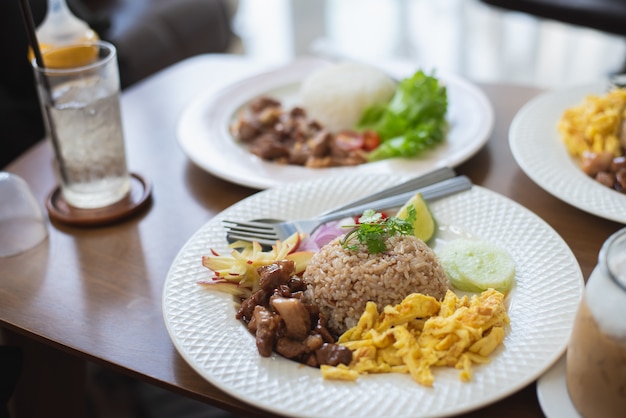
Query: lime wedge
column 477, row 265
column 424, row 226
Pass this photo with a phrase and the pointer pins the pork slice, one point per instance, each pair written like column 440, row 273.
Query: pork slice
column 267, row 326
column 594, row 162
column 606, row 178
column 246, row 309
column 268, row 146
column 320, row 143
column 333, row 354
column 295, row 316
column 247, row 130
column 299, row 153
column 322, row 330
column 273, row 275
column 290, row 348
column 263, row 102
column 296, row 284
column 270, row 116
column 313, row 341
column 297, row 111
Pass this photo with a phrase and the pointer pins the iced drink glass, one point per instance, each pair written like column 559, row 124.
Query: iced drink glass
column 596, row 355
column 79, row 90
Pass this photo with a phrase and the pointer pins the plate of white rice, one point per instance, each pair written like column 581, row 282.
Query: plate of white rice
column 542, row 305
column 204, row 135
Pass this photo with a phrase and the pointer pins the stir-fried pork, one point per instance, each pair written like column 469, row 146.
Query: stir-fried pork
column 290, row 137
column 606, row 169
column 282, row 322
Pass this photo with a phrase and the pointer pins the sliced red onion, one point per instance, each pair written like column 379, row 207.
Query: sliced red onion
column 330, row 230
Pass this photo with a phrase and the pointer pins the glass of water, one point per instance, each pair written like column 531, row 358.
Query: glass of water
column 79, row 91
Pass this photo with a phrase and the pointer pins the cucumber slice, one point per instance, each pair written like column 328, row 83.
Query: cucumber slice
column 475, row 266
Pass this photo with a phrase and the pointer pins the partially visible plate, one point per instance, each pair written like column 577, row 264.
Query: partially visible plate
column 552, row 393
column 203, row 130
column 201, row 322
column 537, row 147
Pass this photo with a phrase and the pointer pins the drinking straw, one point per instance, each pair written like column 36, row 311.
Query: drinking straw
column 30, row 31
column 27, row 16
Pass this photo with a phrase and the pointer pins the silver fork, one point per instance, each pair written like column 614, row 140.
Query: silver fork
column 426, row 179
column 266, row 233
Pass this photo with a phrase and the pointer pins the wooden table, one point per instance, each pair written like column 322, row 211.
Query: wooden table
column 94, row 294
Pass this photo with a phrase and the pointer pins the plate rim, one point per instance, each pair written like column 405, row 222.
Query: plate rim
column 292, row 72
column 552, row 392
column 511, row 389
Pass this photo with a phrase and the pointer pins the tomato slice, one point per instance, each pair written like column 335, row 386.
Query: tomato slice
column 371, row 140
column 383, row 215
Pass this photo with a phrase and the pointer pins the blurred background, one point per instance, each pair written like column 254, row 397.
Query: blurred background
column 469, row 38
column 466, row 37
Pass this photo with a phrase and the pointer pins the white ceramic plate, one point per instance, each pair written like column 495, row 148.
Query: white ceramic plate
column 542, row 305
column 552, row 393
column 203, row 130
column 537, row 147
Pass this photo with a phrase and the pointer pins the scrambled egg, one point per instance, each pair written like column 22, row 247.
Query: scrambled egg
column 594, row 126
column 421, row 332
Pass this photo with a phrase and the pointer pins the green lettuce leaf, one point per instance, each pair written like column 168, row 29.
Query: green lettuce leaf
column 413, row 121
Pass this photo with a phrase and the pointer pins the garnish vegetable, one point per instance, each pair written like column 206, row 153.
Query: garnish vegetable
column 413, row 121
column 373, row 229
column 477, row 265
column 237, row 273
column 424, row 225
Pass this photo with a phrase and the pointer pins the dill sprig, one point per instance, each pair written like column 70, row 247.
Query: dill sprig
column 373, row 230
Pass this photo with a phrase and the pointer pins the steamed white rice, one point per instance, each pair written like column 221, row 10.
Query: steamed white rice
column 337, row 95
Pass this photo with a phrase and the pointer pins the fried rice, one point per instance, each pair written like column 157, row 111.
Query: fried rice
column 341, row 281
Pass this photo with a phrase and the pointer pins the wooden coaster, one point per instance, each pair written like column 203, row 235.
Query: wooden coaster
column 136, row 199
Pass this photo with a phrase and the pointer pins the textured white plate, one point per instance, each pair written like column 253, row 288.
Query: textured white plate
column 202, row 323
column 203, row 130
column 552, row 393
column 537, row 147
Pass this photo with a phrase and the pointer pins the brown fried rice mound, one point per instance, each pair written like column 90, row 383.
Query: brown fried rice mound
column 341, row 281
